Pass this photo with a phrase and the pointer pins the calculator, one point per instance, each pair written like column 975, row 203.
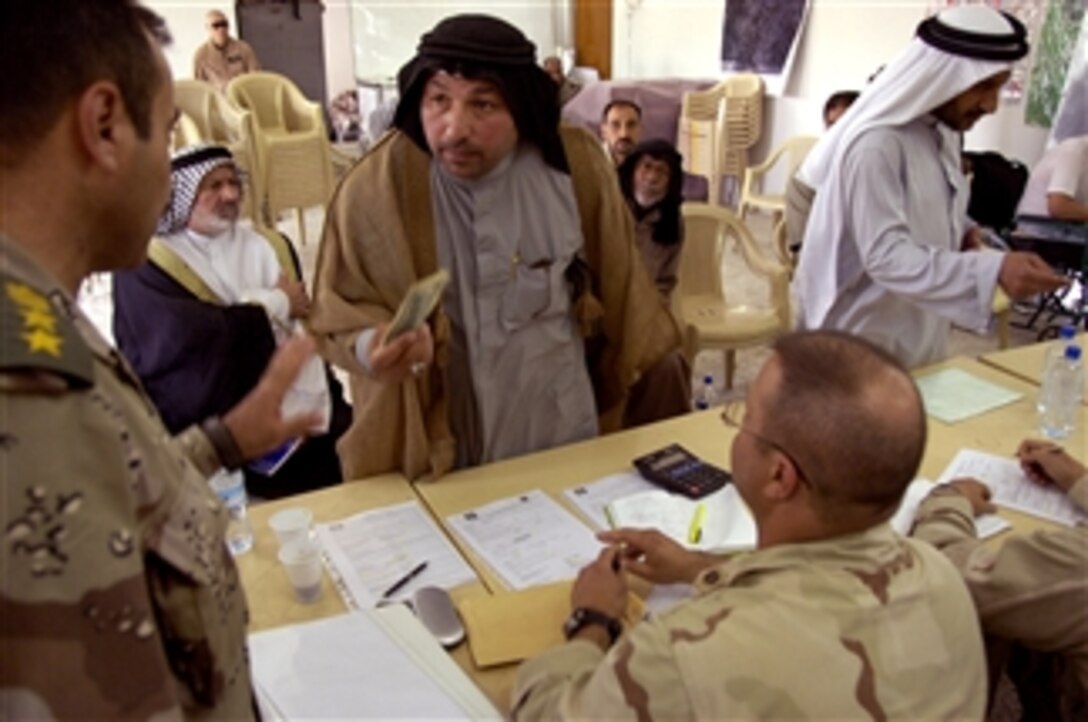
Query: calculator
column 676, row 469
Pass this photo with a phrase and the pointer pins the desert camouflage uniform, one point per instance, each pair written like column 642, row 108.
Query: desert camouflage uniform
column 1032, row 589
column 867, row 626
column 219, row 66
column 118, row 598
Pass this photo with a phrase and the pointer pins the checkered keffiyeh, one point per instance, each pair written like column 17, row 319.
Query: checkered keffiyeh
column 187, row 169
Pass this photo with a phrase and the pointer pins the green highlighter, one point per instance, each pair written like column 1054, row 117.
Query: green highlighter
column 695, row 531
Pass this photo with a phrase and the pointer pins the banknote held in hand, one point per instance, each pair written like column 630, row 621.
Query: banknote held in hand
column 418, row 304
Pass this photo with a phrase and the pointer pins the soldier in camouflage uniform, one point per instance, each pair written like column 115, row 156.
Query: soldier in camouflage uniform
column 118, row 598
column 833, row 616
column 1032, row 591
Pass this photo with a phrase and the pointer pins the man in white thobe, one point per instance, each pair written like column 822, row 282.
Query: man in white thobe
column 882, row 254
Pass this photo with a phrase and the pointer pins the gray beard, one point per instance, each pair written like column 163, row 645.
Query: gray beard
column 648, row 201
column 217, row 226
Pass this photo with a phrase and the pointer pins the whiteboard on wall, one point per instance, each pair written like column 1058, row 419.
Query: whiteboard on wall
column 385, row 33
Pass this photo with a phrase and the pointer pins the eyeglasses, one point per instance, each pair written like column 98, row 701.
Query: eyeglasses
column 731, row 417
column 220, row 24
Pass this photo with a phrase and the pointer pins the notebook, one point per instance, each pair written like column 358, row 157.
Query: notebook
column 369, row 664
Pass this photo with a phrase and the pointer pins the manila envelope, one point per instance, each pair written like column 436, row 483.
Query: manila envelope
column 510, row 627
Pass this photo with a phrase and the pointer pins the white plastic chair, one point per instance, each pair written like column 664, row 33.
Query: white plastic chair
column 718, row 126
column 786, row 158
column 711, row 320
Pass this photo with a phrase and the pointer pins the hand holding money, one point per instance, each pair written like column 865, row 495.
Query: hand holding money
column 418, row 304
column 394, row 360
column 404, row 348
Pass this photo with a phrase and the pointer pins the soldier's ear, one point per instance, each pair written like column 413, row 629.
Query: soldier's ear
column 783, row 480
column 103, row 126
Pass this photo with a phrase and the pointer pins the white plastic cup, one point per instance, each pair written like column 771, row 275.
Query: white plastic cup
column 302, row 561
column 291, row 525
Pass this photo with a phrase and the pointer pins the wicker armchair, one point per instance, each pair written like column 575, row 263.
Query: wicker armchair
column 208, row 116
column 292, row 146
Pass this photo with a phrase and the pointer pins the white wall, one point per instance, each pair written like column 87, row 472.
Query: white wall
column 842, row 43
column 339, row 63
column 385, row 34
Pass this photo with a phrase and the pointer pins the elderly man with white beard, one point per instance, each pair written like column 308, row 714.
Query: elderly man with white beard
column 200, row 320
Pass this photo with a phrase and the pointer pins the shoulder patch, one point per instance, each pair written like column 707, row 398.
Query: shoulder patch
column 35, row 337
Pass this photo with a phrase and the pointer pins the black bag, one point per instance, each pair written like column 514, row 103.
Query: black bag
column 996, row 186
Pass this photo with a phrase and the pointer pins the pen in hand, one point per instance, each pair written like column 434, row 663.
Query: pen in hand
column 403, row 581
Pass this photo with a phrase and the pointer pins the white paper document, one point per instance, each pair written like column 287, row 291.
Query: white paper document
column 370, row 664
column 986, row 525
column 664, row 597
column 527, row 539
column 592, row 498
column 369, row 552
column 1010, row 487
column 953, row 395
column 726, row 524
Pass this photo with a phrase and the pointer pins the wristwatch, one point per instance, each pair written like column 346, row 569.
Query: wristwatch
column 582, row 617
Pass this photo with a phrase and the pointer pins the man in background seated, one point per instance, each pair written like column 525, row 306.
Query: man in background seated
column 1058, row 185
column 222, row 58
column 833, row 616
column 652, row 181
column 882, row 253
column 549, row 330
column 553, row 66
column 201, row 319
column 621, row 129
column 837, row 104
column 799, row 196
column 1032, row 591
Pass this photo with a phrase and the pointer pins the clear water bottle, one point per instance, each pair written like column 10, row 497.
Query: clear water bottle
column 706, row 395
column 1059, row 398
column 1054, row 353
column 230, row 487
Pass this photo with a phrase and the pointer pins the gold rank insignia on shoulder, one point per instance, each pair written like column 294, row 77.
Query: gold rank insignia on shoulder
column 34, row 337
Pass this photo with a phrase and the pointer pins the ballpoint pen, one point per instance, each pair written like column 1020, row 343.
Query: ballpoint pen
column 617, row 560
column 400, row 583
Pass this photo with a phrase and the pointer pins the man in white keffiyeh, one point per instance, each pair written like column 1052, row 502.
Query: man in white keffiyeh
column 882, row 254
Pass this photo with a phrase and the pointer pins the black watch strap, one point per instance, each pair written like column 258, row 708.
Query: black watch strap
column 583, row 617
column 230, row 456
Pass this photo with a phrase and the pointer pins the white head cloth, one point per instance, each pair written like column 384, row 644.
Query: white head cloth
column 919, row 81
